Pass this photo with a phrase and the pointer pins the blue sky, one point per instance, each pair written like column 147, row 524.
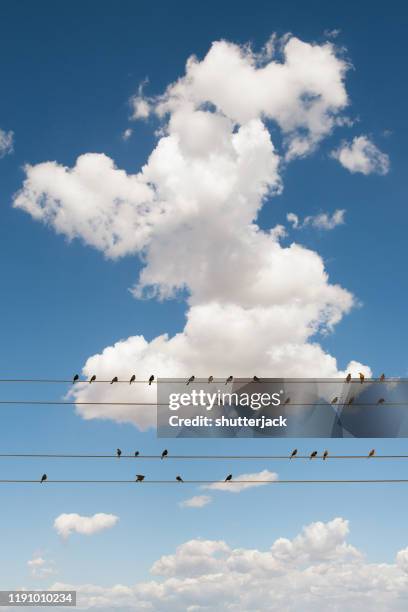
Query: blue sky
column 68, row 73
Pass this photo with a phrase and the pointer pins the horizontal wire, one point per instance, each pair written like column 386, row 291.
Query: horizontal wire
column 288, row 405
column 208, row 482
column 202, row 380
column 184, row 457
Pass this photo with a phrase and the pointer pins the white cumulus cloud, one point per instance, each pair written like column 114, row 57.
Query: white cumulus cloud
column 362, row 155
column 66, row 524
column 318, row 567
column 191, row 214
column 198, row 501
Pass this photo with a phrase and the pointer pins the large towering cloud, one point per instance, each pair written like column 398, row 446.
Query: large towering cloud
column 254, row 305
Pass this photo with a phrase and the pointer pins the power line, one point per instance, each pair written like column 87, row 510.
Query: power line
column 210, row 482
column 74, row 403
column 188, row 457
column 205, row 381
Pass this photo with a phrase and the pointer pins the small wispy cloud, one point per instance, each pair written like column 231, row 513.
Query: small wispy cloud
column 362, row 155
column 256, row 479
column 66, row 524
column 40, row 568
column 6, row 142
column 198, row 501
column 323, row 221
column 126, row 134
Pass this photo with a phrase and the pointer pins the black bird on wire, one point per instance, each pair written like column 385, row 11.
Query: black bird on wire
column 118, row 452
column 229, row 380
column 362, row 377
column 179, row 479
column 287, row 400
column 351, row 400
column 114, row 379
column 140, row 477
column 75, row 379
column 371, row 453
column 164, row 453
column 93, row 378
column 325, row 455
column 43, row 478
column 151, row 379
column 334, row 400
column 132, row 379
column 313, row 455
column 256, row 379
column 294, row 453
column 228, row 478
column 382, row 377
column 190, row 380
column 210, row 379
column 136, row 453
column 348, row 378
column 381, row 400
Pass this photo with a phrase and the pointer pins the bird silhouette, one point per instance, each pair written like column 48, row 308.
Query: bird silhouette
column 256, row 379
column 371, row 453
column 287, row 400
column 136, row 453
column 228, row 478
column 294, row 453
column 381, row 400
column 164, row 453
column 140, row 477
column 325, row 455
column 114, row 379
column 118, row 452
column 313, row 455
column 75, row 379
column 179, row 479
column 229, row 379
column 190, row 380
column 334, row 400
column 361, row 375
column 44, row 478
column 348, row 378
column 151, row 379
column 382, row 377
column 132, row 379
column 92, row 379
column 351, row 400
column 210, row 379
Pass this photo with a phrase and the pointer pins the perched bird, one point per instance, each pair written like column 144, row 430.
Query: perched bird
column 228, row 478
column 151, row 379
column 361, row 375
column 325, row 455
column 190, row 380
column 140, row 477
column 114, row 379
column 118, row 452
column 164, row 453
column 351, row 400
column 348, row 378
column 334, row 400
column 75, row 379
column 132, row 379
column 210, row 379
column 179, row 479
column 93, row 379
column 43, row 477
column 136, row 453
column 371, row 453
column 381, row 400
column 256, row 379
column 229, row 379
column 382, row 377
column 287, row 400
column 313, row 455
column 294, row 453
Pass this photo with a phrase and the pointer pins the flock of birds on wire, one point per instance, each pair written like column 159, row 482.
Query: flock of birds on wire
column 165, row 453
column 230, row 379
